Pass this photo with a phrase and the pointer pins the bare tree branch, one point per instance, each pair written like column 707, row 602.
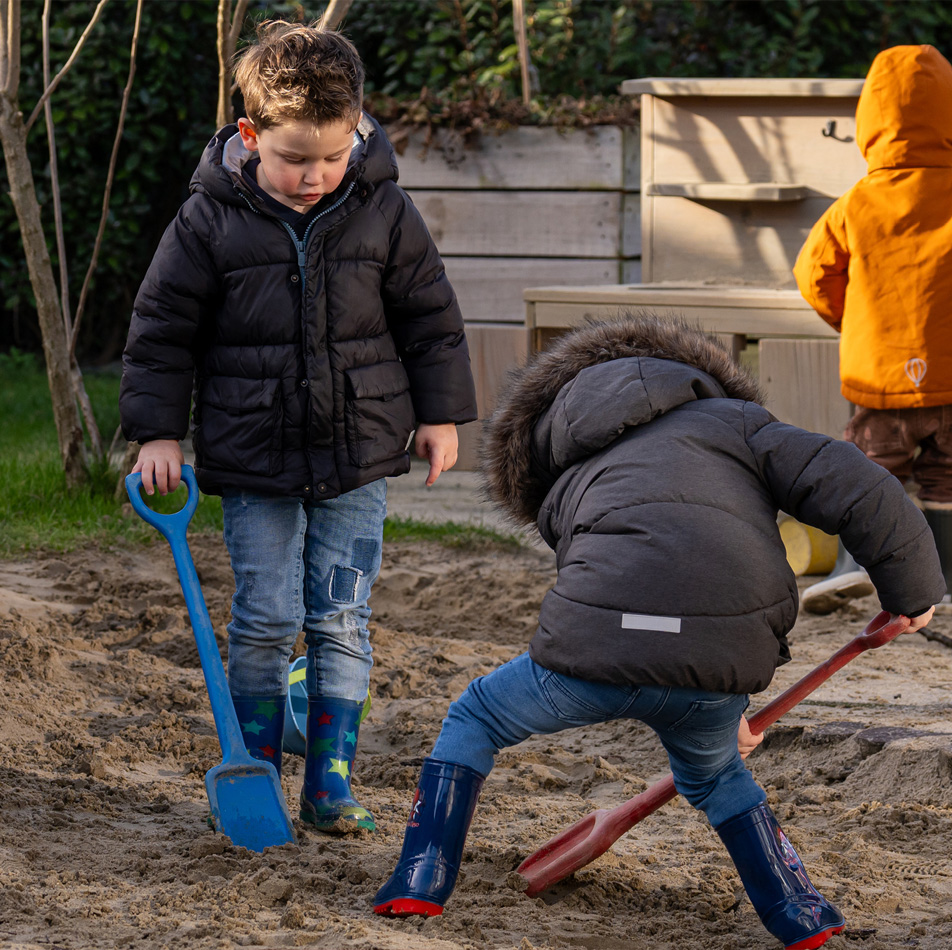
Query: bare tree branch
column 334, row 14
column 222, row 117
column 11, row 48
column 81, row 42
column 109, row 179
column 55, row 344
column 237, row 21
column 4, row 10
column 54, row 177
column 519, row 22
column 229, row 29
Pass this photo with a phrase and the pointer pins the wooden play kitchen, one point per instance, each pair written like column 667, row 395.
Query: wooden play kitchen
column 734, row 173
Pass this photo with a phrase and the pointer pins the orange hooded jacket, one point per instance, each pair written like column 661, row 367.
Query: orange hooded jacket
column 878, row 265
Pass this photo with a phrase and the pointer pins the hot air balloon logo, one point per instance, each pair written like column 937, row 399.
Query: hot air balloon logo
column 916, row 370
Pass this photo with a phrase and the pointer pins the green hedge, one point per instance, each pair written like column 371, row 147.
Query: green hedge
column 436, row 61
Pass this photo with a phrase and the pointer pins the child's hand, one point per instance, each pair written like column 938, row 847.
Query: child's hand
column 917, row 623
column 439, row 444
column 160, row 463
column 746, row 740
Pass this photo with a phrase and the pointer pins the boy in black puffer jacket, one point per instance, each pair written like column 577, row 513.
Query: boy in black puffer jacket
column 644, row 456
column 299, row 290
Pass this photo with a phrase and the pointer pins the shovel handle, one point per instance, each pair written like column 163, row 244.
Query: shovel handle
column 175, row 527
column 880, row 630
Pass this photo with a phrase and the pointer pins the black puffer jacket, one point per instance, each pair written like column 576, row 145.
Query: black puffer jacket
column 312, row 361
column 641, row 451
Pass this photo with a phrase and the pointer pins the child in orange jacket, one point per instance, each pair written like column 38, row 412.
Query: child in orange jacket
column 878, row 267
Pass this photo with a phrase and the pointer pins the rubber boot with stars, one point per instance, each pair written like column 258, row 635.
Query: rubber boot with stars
column 326, row 798
column 261, row 719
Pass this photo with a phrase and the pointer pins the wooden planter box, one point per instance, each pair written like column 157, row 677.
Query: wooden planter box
column 529, row 207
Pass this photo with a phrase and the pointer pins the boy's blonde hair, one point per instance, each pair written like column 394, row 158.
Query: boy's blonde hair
column 299, row 72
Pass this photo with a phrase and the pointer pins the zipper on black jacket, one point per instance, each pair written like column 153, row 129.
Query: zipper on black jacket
column 301, row 245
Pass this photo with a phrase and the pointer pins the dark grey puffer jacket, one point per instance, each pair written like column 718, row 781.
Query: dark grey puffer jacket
column 650, row 467
column 312, row 361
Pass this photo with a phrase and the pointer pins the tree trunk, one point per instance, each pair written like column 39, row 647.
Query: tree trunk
column 69, row 429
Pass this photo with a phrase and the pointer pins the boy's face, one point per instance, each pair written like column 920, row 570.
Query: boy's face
column 300, row 161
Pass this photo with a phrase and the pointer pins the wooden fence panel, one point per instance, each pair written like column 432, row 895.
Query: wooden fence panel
column 532, row 223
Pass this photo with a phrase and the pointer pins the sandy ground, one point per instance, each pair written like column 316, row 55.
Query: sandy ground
column 106, row 734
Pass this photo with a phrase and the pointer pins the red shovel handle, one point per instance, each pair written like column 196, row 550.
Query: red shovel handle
column 878, row 631
column 594, row 835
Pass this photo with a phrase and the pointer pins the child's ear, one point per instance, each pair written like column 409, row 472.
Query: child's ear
column 249, row 136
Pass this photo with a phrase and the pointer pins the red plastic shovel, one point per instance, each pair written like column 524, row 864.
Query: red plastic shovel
column 594, row 834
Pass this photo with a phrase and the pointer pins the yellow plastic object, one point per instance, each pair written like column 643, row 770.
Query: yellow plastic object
column 809, row 550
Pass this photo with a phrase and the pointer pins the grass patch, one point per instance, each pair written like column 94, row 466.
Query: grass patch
column 451, row 534
column 38, row 513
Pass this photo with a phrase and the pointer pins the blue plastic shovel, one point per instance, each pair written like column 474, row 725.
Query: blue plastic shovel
column 244, row 793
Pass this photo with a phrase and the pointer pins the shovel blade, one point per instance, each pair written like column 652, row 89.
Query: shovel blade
column 589, row 838
column 248, row 805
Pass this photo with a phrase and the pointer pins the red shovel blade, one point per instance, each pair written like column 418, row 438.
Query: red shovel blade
column 594, row 834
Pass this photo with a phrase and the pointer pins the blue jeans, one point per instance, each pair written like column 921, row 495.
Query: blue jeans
column 303, row 566
column 697, row 729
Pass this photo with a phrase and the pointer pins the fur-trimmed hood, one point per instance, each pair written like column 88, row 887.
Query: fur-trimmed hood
column 535, row 432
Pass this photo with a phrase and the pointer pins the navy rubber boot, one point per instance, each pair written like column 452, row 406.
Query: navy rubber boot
column 433, row 842
column 326, row 799
column 788, row 905
column 261, row 719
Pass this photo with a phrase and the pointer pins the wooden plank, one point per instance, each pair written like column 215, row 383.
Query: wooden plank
column 751, row 322
column 630, row 271
column 802, row 381
column 729, row 191
column 490, row 289
column 676, row 294
column 648, row 175
column 599, row 158
column 532, row 224
column 752, row 311
column 539, row 338
column 757, row 242
column 772, row 141
column 745, row 87
column 493, row 351
column 735, row 343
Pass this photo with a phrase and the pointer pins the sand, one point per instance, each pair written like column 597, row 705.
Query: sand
column 106, row 734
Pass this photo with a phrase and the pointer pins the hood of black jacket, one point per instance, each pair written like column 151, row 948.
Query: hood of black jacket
column 577, row 397
column 219, row 175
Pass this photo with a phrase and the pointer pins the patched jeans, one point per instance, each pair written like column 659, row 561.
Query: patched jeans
column 697, row 729
column 303, row 566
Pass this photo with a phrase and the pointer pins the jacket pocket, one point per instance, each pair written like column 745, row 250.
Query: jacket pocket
column 240, row 423
column 378, row 412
